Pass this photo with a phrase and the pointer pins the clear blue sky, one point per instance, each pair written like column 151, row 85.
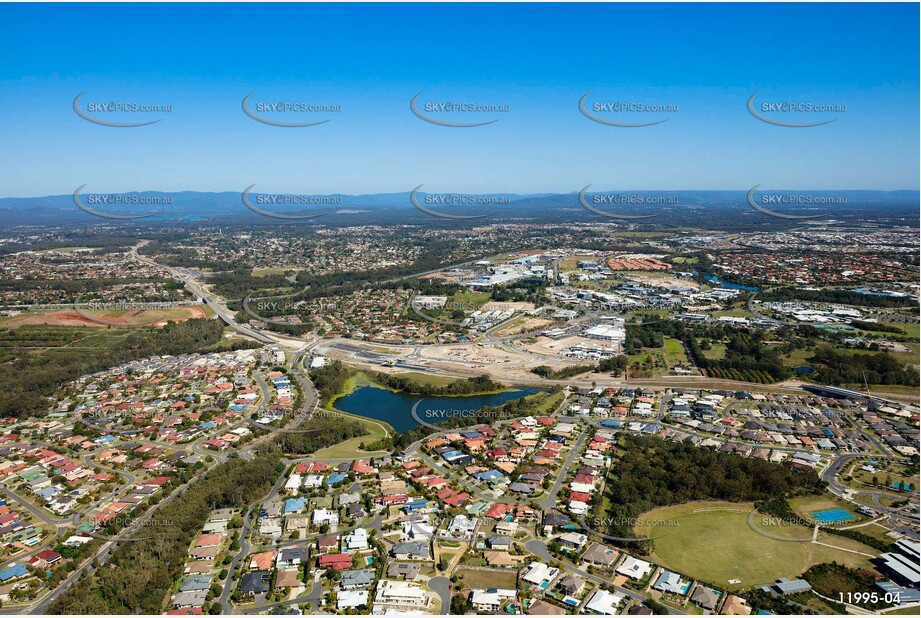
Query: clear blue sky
column 537, row 59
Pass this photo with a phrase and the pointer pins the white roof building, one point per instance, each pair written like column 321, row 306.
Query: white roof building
column 323, row 516
column 418, row 530
column 351, row 599
column 634, row 568
column 492, row 599
column 604, row 602
column 294, row 482
column 399, row 595
column 538, row 573
column 357, row 540
column 313, row 480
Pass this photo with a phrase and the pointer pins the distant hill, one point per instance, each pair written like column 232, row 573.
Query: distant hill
column 692, row 207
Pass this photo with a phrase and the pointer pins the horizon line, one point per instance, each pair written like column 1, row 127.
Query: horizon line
column 409, row 191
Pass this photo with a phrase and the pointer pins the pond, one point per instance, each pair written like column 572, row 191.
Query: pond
column 395, row 408
column 732, row 286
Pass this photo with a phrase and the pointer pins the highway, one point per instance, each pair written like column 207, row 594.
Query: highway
column 198, row 290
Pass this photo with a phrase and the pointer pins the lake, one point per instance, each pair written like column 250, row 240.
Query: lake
column 395, row 408
column 732, row 286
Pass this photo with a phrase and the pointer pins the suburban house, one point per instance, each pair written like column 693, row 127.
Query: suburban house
column 634, row 568
column 600, row 555
column 491, row 600
column 400, row 595
column 410, row 550
column 604, row 603
column 339, row 562
column 356, row 579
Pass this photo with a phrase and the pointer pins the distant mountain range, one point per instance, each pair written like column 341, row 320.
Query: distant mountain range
column 681, row 206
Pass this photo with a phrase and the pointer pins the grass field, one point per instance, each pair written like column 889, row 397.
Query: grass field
column 902, row 611
column 426, row 379
column 646, row 314
column 910, row 392
column 572, row 262
column 798, row 357
column 25, row 339
column 669, row 355
column 734, row 313
column 767, row 524
column 713, row 542
column 894, row 471
column 801, row 357
column 674, row 353
column 64, row 250
column 551, row 402
column 876, row 530
column 474, row 578
column 267, row 272
column 910, row 329
column 716, row 351
column 377, row 430
column 39, row 338
column 639, row 235
column 909, row 357
column 470, row 301
column 805, row 506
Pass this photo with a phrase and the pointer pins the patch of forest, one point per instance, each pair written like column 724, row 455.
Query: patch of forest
column 140, row 573
column 27, row 382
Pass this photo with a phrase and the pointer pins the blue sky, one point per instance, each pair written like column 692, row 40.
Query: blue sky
column 537, row 59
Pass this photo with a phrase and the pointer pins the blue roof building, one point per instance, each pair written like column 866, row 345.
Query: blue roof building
column 17, row 570
column 295, row 505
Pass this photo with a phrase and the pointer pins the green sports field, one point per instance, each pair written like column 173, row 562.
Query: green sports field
column 713, row 542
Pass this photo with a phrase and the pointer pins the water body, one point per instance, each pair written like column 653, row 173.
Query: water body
column 731, row 286
column 395, row 408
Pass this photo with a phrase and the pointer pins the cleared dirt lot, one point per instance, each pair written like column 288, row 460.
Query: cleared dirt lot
column 523, row 325
column 105, row 319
